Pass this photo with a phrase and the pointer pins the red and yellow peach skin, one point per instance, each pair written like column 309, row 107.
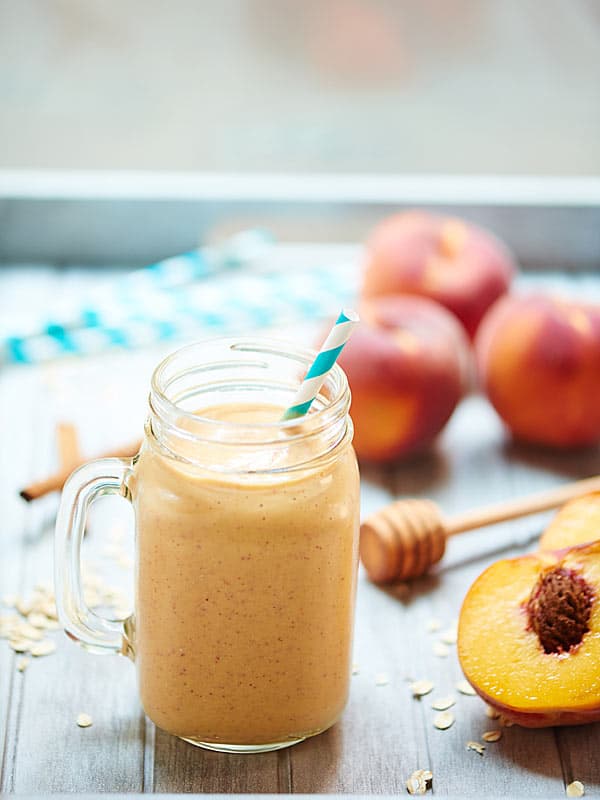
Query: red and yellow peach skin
column 539, row 364
column 407, row 366
column 456, row 263
column 577, row 522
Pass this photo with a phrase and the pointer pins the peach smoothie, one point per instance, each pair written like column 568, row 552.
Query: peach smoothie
column 245, row 587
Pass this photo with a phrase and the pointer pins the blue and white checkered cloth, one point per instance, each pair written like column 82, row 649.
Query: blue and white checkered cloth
column 194, row 295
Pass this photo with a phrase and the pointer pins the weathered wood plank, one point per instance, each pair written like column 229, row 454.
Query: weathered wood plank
column 46, row 699
column 21, row 433
column 379, row 740
column 533, row 469
column 392, row 635
column 17, row 458
column 474, row 443
column 383, row 735
column 181, row 767
column 53, row 754
column 579, row 747
column 110, row 754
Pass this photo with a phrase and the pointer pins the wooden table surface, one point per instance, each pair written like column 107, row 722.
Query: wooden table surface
column 384, row 734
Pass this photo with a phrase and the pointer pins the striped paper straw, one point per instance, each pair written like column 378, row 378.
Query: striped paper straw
column 323, row 363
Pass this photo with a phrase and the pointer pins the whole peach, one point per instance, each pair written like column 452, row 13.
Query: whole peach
column 461, row 266
column 539, row 362
column 407, row 365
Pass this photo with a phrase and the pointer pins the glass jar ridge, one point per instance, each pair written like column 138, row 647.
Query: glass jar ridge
column 244, row 370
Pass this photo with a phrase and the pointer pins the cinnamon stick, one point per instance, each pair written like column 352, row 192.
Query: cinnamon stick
column 67, row 445
column 55, row 482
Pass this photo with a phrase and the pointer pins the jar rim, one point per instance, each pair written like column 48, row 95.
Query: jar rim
column 336, row 381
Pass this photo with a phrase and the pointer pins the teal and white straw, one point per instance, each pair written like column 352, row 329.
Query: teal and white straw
column 323, row 363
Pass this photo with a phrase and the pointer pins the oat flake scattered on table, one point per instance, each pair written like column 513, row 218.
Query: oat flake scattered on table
column 443, row 703
column 381, row 679
column 419, row 782
column 84, row 720
column 355, row 669
column 9, row 599
column 443, row 720
column 575, row 789
column 464, row 687
column 24, row 607
column 22, row 664
column 44, row 648
column 28, row 631
column 477, row 747
column 37, row 620
column 20, row 645
column 421, row 688
column 450, row 636
column 492, row 736
column 492, row 713
column 434, row 625
column 440, row 650
column 25, row 629
column 32, row 617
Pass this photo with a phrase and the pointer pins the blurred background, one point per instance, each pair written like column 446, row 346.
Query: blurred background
column 174, row 170
column 380, row 86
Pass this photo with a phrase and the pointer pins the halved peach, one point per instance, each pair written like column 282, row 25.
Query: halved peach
column 529, row 637
column 577, row 522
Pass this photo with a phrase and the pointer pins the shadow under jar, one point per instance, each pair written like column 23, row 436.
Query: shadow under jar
column 246, row 549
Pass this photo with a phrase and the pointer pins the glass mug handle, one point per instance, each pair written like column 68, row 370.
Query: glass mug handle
column 86, row 485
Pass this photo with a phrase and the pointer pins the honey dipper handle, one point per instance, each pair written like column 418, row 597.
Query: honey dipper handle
column 511, row 509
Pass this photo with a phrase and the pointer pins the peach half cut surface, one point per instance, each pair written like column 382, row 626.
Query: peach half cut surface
column 577, row 522
column 529, row 637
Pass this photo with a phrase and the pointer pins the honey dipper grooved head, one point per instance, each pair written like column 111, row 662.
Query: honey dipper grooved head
column 402, row 541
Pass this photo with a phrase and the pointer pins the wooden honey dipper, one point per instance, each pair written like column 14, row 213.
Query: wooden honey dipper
column 404, row 539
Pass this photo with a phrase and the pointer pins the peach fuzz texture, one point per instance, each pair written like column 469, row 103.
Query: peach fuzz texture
column 577, row 522
column 539, row 364
column 461, row 266
column 407, row 365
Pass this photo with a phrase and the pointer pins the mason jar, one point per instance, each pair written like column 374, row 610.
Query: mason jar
column 246, row 548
